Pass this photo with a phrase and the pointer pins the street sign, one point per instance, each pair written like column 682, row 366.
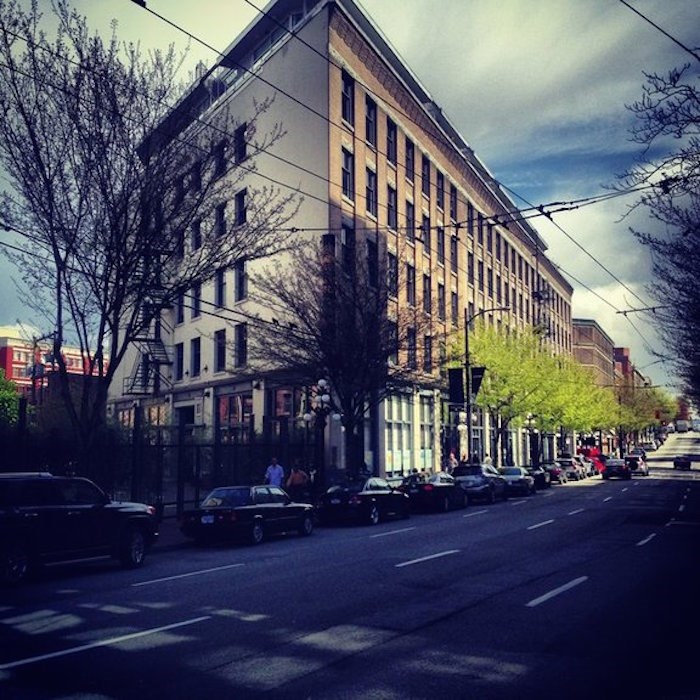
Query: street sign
column 477, row 376
column 455, row 376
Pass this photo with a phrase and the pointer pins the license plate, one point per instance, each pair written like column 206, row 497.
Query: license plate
column 335, row 501
column 207, row 519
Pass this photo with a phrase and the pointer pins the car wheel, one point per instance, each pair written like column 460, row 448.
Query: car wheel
column 132, row 551
column 306, row 526
column 257, row 533
column 373, row 514
column 14, row 564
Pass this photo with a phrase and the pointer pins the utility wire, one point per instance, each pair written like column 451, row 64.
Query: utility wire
column 663, row 31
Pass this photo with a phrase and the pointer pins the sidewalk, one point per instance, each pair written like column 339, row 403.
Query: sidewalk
column 170, row 536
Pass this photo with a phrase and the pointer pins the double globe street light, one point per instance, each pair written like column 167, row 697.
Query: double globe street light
column 319, row 407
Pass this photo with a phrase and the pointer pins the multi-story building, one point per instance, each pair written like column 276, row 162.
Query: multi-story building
column 594, row 349
column 29, row 362
column 383, row 172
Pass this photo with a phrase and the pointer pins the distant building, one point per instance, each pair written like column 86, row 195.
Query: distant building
column 28, row 362
column 594, row 349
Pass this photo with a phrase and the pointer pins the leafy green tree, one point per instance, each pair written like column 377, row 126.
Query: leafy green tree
column 9, row 402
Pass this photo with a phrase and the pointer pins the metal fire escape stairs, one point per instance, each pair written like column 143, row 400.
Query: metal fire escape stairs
column 150, row 374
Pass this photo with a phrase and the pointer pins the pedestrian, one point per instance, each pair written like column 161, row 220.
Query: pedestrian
column 296, row 483
column 452, row 462
column 274, row 474
column 488, row 460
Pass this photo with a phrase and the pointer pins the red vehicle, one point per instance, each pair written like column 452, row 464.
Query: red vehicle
column 594, row 454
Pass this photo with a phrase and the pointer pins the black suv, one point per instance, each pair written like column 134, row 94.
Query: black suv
column 47, row 519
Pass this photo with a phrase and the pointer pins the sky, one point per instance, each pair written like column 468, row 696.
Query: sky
column 538, row 88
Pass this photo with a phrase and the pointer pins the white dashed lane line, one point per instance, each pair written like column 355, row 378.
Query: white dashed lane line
column 557, row 591
column 428, row 558
column 542, row 524
column 392, row 532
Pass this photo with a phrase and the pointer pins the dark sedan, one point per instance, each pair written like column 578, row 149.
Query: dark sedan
column 481, row 482
column 365, row 501
column 617, row 467
column 435, row 492
column 682, row 462
column 518, row 481
column 246, row 512
column 542, row 477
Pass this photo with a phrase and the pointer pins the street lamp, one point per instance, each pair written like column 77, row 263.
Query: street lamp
column 319, row 407
column 533, row 439
column 468, row 370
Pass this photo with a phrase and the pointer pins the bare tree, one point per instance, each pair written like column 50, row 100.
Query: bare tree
column 668, row 172
column 122, row 201
column 337, row 317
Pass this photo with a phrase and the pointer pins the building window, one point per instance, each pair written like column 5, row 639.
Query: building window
column 470, row 219
column 480, row 268
column 453, row 203
column 441, row 245
column 425, row 231
column 220, row 220
column 489, row 237
column 391, row 146
column 220, row 289
column 410, row 284
column 412, row 349
column 410, row 160
column 347, row 248
column 373, row 263
column 440, row 190
column 393, row 343
column 371, row 121
column 180, row 308
column 196, row 299
column 196, row 177
column 498, row 290
column 506, row 254
column 220, row 158
column 196, row 234
column 179, row 360
column 241, row 344
column 180, row 244
column 348, row 175
column 220, row 351
column 489, row 282
column 427, row 296
column 498, row 246
column 441, row 302
column 480, row 228
column 453, row 254
column 391, row 204
column 470, row 268
column 425, row 175
column 240, row 147
column 241, row 214
column 454, row 308
column 195, row 356
column 428, row 353
column 371, row 192
column 410, row 221
column 348, row 99
column 392, row 270
column 241, row 274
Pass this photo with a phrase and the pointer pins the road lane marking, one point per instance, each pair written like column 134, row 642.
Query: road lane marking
column 393, row 532
column 609, row 498
column 576, row 512
column 542, row 524
column 478, row 512
column 646, row 539
column 681, row 508
column 626, row 487
column 191, row 573
column 517, row 503
column 428, row 558
column 101, row 643
column 547, row 596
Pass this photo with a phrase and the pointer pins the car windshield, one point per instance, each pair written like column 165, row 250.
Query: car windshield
column 511, row 471
column 227, row 497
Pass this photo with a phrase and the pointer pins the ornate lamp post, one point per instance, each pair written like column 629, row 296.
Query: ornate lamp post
column 318, row 409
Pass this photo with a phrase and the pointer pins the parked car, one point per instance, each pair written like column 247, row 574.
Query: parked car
column 435, row 492
column 47, row 519
column 363, row 501
column 249, row 513
column 572, row 468
column 481, row 482
column 637, row 464
column 589, row 466
column 542, row 477
column 682, row 462
column 518, row 481
column 637, row 450
column 556, row 471
column 649, row 446
column 617, row 467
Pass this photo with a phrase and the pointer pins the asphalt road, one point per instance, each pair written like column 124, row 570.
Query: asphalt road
column 586, row 590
